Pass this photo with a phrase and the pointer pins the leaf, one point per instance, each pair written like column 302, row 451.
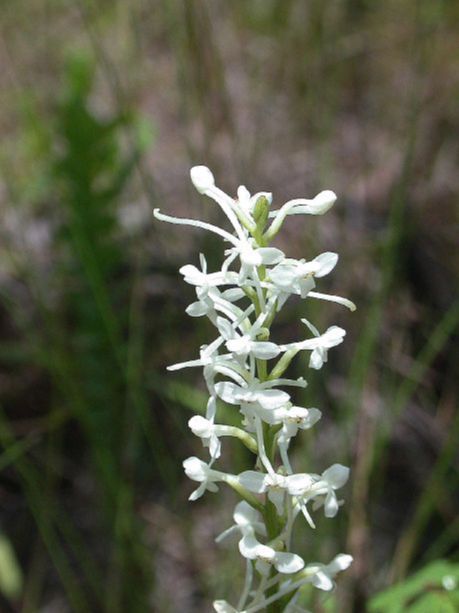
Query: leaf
column 10, row 572
column 429, row 581
column 433, row 603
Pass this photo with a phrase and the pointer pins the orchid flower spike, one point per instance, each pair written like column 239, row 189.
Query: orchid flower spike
column 244, row 370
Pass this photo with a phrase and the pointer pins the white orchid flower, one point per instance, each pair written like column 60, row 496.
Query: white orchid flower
column 237, row 212
column 294, row 419
column 276, row 485
column 251, row 392
column 266, row 557
column 322, row 575
column 251, row 257
column 199, row 471
column 207, row 432
column 297, row 276
column 210, row 433
column 318, row 205
column 319, row 345
column 244, row 344
column 247, row 520
column 324, row 489
column 210, row 298
column 202, row 178
column 211, row 301
column 194, row 276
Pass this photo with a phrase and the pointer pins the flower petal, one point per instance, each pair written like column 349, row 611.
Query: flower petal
column 317, row 359
column 339, row 563
column 225, row 328
column 288, row 563
column 265, row 350
column 248, row 546
column 197, row 309
column 325, row 263
column 317, row 206
column 337, row 475
column 331, row 505
column 333, row 336
column 272, row 399
column 244, row 514
column 202, row 178
column 299, row 484
column 198, row 492
column 322, row 581
column 253, row 481
column 229, row 392
column 277, row 497
column 195, row 469
column 270, row 255
column 192, row 275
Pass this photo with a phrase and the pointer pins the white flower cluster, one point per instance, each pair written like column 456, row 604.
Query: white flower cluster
column 244, row 368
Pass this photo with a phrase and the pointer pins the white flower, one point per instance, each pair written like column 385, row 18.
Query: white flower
column 318, row 205
column 292, row 418
column 199, row 471
column 202, row 178
column 210, row 298
column 204, row 181
column 266, row 557
column 253, row 392
column 194, row 276
column 251, row 257
column 246, row 521
column 323, row 574
column 244, row 344
column 331, row 479
column 297, row 276
column 276, row 485
column 318, row 345
column 206, row 430
column 301, row 206
column 250, row 254
column 332, row 337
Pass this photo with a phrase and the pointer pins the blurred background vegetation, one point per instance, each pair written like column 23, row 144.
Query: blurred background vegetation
column 105, row 106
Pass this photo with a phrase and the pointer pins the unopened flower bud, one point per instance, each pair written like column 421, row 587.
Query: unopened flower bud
column 261, row 211
column 202, row 178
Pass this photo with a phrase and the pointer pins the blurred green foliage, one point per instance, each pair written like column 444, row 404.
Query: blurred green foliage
column 85, row 345
column 434, row 588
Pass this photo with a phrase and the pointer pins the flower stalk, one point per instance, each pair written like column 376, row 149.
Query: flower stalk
column 244, row 368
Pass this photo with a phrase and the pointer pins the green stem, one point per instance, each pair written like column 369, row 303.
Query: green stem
column 274, row 524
